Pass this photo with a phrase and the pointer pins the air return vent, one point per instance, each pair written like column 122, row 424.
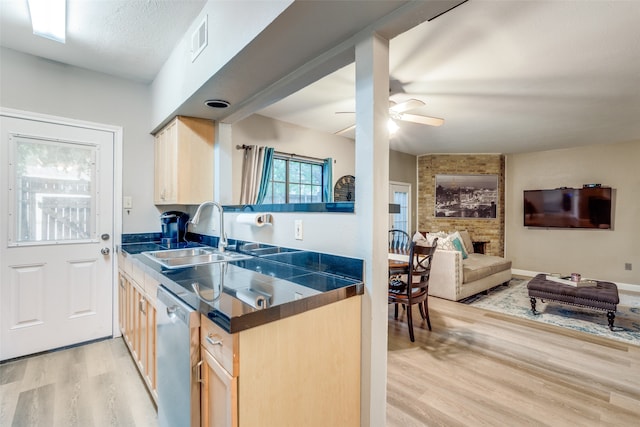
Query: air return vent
column 199, row 39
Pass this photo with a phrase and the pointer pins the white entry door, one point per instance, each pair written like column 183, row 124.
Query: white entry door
column 56, row 235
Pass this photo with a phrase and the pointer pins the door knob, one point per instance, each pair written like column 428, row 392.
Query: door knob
column 105, row 251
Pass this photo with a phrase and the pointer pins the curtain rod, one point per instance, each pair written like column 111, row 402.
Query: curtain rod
column 282, row 153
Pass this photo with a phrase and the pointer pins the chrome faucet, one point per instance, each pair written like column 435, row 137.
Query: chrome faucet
column 222, row 241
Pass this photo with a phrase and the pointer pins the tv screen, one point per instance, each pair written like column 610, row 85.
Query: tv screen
column 568, row 208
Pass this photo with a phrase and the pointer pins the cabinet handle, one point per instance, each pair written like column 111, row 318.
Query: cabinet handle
column 122, row 283
column 214, row 339
column 141, row 306
column 199, row 372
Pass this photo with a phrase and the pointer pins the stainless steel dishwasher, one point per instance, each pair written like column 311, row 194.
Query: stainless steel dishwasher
column 178, row 327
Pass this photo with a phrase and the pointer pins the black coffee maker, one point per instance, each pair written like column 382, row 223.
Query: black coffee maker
column 174, row 228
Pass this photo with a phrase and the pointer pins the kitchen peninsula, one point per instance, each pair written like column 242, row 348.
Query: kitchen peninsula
column 293, row 361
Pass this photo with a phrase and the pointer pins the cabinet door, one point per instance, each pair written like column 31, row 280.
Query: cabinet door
column 129, row 307
column 219, row 394
column 150, row 363
column 142, row 333
column 166, row 164
column 122, row 301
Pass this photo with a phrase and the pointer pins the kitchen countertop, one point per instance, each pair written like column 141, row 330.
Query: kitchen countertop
column 227, row 290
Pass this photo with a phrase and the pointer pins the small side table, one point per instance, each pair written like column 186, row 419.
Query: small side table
column 479, row 247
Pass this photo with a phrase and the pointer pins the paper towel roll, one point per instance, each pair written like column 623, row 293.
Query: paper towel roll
column 254, row 299
column 257, row 219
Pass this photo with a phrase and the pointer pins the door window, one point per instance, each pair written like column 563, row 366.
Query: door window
column 52, row 191
column 400, row 194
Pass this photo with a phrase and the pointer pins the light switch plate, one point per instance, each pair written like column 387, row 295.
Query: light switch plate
column 127, row 202
column 298, row 229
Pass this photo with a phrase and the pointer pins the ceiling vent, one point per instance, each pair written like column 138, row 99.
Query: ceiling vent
column 199, row 39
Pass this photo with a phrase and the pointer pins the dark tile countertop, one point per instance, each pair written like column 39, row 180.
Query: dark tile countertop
column 230, row 294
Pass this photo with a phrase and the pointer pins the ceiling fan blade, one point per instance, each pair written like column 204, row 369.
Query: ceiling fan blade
column 345, row 130
column 407, row 105
column 423, row 120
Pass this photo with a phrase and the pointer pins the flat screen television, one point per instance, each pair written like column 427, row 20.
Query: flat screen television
column 568, row 208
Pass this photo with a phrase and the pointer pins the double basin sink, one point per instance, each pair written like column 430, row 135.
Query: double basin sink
column 188, row 257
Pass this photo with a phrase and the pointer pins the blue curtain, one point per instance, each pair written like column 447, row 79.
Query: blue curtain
column 267, row 166
column 327, row 179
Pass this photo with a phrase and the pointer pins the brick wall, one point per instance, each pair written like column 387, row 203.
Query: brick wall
column 489, row 230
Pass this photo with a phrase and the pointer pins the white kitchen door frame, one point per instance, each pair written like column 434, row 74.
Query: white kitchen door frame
column 113, row 134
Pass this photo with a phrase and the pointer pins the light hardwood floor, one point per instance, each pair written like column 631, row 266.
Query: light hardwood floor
column 476, row 368
column 91, row 385
column 479, row 368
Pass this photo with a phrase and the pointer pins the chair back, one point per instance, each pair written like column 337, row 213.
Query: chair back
column 399, row 241
column 420, row 268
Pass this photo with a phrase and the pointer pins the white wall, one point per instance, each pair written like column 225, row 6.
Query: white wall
column 231, row 26
column 289, row 138
column 599, row 254
column 34, row 84
column 322, row 232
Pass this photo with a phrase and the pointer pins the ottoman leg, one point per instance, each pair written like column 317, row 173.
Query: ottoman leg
column 533, row 305
column 611, row 317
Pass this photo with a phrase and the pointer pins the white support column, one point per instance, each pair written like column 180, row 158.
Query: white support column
column 222, row 165
column 372, row 211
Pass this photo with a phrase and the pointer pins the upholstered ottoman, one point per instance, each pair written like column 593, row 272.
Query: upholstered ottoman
column 603, row 296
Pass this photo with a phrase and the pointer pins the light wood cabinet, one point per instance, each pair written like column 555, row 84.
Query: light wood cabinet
column 301, row 370
column 183, row 155
column 137, row 312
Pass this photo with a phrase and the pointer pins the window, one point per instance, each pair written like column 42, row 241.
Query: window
column 52, row 192
column 294, row 180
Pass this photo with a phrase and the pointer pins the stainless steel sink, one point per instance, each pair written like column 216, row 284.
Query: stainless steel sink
column 259, row 249
column 180, row 258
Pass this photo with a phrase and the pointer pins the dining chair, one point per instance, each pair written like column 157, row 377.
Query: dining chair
column 399, row 241
column 413, row 288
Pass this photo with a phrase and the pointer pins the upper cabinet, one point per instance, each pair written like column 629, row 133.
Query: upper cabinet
column 184, row 162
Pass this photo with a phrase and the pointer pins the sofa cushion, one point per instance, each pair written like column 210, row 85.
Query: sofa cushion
column 466, row 239
column 479, row 266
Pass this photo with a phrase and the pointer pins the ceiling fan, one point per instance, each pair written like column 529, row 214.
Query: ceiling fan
column 397, row 112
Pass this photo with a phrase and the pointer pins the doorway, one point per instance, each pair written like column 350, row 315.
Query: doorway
column 400, row 194
column 56, row 234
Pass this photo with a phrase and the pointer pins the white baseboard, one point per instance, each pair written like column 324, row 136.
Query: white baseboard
column 622, row 286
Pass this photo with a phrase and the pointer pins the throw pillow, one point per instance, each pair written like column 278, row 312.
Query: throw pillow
column 441, row 235
column 445, row 244
column 419, row 237
column 456, row 241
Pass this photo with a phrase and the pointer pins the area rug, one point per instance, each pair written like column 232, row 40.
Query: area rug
column 514, row 300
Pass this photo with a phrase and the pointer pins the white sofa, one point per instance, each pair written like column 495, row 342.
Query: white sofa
column 455, row 278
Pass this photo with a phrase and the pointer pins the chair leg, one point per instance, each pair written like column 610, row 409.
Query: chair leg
column 395, row 310
column 410, row 323
column 422, row 314
column 425, row 303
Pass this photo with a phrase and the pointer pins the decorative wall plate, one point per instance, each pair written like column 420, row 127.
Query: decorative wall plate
column 345, row 189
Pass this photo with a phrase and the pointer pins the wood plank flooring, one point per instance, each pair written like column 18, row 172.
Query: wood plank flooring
column 91, row 385
column 480, row 368
column 476, row 368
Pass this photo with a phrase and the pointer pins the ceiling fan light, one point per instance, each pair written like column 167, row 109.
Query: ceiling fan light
column 48, row 19
column 392, row 126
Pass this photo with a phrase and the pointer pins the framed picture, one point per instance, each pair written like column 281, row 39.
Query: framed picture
column 466, row 196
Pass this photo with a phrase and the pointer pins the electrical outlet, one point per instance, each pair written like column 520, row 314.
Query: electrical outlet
column 127, row 202
column 298, row 229
column 627, row 266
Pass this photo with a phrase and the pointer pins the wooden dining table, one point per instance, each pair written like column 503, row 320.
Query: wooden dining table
column 398, row 262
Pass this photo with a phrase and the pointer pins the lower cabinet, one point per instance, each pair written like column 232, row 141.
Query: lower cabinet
column 137, row 321
column 303, row 370
column 219, row 394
